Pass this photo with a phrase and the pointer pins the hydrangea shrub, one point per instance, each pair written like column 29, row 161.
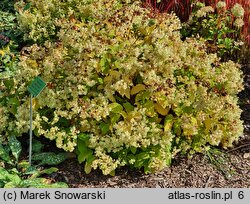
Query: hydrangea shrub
column 122, row 88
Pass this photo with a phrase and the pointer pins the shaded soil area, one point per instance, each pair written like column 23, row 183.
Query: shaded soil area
column 199, row 171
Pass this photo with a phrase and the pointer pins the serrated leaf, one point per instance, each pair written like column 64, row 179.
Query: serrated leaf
column 15, row 147
column 160, row 109
column 136, row 89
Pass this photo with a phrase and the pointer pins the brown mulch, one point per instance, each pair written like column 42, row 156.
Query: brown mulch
column 184, row 172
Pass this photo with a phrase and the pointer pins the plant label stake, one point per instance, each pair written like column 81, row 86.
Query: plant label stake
column 35, row 88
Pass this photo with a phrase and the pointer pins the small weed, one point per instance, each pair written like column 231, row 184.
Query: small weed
column 221, row 161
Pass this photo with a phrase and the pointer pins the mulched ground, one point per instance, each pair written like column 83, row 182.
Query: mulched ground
column 184, row 172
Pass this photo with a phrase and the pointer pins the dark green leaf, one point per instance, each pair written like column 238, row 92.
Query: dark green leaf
column 9, row 83
column 133, row 149
column 15, row 147
column 27, row 6
column 50, row 158
column 104, row 127
column 4, row 155
column 31, row 170
column 37, row 146
column 128, row 107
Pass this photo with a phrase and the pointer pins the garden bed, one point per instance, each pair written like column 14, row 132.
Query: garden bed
column 194, row 172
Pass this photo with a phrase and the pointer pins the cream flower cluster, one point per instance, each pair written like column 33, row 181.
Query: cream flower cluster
column 125, row 79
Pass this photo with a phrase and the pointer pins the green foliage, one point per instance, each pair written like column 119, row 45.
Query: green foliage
column 8, row 62
column 10, row 39
column 122, row 88
column 15, row 174
column 49, row 158
column 220, row 160
column 221, row 28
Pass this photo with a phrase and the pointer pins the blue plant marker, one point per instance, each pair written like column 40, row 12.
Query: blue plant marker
column 35, row 88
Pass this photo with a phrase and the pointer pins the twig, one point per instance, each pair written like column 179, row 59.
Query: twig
column 208, row 181
column 244, row 145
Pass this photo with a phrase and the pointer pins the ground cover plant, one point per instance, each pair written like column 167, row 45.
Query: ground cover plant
column 123, row 88
column 19, row 174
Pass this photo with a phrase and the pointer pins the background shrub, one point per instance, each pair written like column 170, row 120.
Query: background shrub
column 122, row 87
column 223, row 24
column 10, row 39
column 221, row 28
